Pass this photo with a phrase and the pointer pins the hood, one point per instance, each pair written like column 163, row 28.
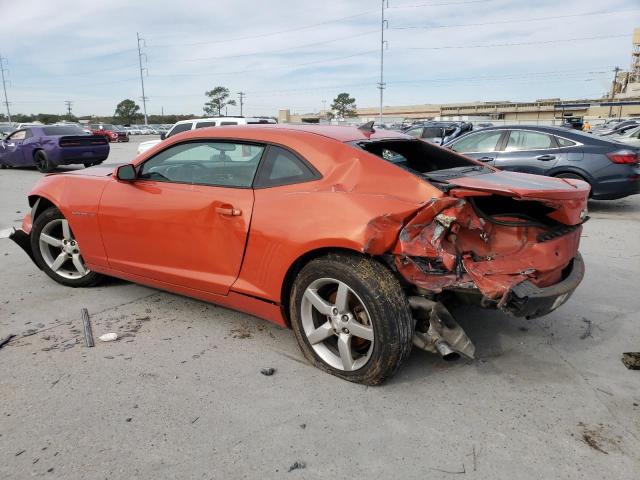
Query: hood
column 97, row 171
column 150, row 143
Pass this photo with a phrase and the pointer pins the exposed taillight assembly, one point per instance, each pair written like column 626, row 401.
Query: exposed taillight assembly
column 623, row 157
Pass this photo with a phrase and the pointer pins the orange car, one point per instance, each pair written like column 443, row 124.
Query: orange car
column 356, row 239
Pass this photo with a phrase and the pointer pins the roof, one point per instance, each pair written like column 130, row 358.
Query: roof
column 339, row 133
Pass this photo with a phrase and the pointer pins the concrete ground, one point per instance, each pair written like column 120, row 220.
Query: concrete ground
column 180, row 395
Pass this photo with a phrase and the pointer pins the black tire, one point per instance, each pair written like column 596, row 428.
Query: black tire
column 384, row 300
column 52, row 213
column 42, row 161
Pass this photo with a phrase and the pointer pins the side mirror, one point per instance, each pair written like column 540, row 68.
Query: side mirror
column 126, row 173
column 163, row 136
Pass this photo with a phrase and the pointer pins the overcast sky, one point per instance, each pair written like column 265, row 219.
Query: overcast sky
column 295, row 54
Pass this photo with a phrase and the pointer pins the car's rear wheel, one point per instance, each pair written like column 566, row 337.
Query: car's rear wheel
column 351, row 318
column 42, row 161
column 57, row 252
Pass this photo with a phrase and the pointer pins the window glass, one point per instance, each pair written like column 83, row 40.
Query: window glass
column 520, row 140
column 205, row 124
column 414, row 132
column 63, row 130
column 222, row 124
column 19, row 135
column 563, row 142
column 282, row 167
column 478, row 142
column 205, row 163
column 179, row 128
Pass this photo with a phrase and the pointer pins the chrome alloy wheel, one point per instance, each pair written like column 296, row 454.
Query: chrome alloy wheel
column 337, row 324
column 60, row 251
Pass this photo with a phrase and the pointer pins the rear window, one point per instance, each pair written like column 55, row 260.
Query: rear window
column 63, row 130
column 415, row 155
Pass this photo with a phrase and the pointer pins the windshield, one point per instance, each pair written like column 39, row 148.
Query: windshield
column 108, row 127
column 63, row 130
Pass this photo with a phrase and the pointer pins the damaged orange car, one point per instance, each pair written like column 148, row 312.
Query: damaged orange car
column 355, row 239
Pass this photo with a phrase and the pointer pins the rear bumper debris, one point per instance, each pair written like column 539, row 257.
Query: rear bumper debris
column 527, row 300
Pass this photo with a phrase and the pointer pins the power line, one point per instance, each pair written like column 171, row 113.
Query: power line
column 515, row 44
column 500, row 22
column 3, row 61
column 144, row 98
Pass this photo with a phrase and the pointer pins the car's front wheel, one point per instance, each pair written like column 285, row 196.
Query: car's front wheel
column 351, row 318
column 57, row 252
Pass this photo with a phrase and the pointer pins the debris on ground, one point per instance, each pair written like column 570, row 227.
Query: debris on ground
column 587, row 330
column 241, row 332
column 6, row 340
column 108, row 337
column 303, row 426
column 297, row 466
column 631, row 360
column 267, row 371
column 20, row 453
column 88, row 333
column 597, row 438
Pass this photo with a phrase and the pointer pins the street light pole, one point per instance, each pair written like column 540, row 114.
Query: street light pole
column 383, row 43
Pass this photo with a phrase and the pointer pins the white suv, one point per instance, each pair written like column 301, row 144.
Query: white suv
column 184, row 125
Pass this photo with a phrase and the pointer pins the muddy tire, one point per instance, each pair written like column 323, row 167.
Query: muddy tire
column 57, row 252
column 42, row 161
column 351, row 318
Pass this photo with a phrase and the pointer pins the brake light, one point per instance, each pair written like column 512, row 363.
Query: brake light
column 623, row 156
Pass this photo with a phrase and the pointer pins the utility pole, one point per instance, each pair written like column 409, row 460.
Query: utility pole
column 144, row 99
column 162, row 113
column 383, row 23
column 613, row 88
column 241, row 95
column 68, row 103
column 324, row 108
column 4, row 86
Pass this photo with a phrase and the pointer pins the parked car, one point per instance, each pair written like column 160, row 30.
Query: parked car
column 110, row 132
column 610, row 168
column 194, row 123
column 47, row 147
column 238, row 217
column 439, row 132
column 630, row 136
column 612, row 127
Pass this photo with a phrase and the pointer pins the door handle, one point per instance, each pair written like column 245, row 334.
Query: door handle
column 486, row 159
column 546, row 157
column 229, row 211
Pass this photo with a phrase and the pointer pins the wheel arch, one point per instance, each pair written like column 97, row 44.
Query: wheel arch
column 39, row 203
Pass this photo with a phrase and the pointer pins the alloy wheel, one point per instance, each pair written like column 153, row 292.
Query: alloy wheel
column 337, row 324
column 60, row 250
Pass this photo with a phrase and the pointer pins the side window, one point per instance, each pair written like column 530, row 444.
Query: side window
column 223, row 164
column 19, row 135
column 480, row 142
column 28, row 133
column 205, row 124
column 179, row 128
column 563, row 142
column 415, row 132
column 521, row 140
column 282, row 167
column 222, row 124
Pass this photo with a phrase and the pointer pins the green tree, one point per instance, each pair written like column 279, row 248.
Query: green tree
column 126, row 111
column 344, row 106
column 218, row 99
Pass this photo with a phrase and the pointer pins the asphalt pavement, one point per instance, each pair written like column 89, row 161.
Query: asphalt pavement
column 180, row 393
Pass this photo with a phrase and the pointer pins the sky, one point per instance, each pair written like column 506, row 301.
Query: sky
column 298, row 54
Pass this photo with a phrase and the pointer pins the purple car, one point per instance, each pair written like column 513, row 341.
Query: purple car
column 48, row 146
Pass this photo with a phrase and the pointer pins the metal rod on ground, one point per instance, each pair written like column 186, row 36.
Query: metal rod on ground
column 88, row 333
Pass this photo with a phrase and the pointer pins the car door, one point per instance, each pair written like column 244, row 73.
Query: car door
column 482, row 145
column 529, row 151
column 11, row 149
column 185, row 219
